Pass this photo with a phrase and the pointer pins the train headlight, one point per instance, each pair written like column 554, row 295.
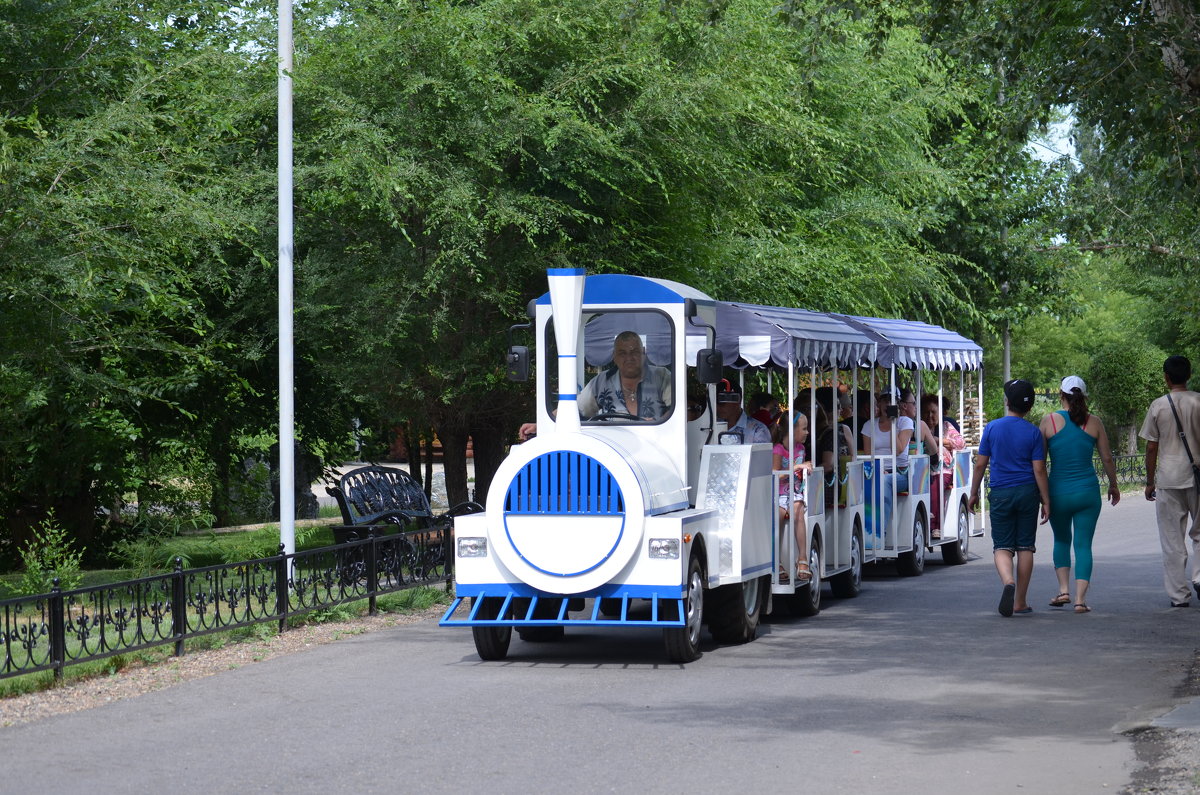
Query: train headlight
column 665, row 548
column 472, row 547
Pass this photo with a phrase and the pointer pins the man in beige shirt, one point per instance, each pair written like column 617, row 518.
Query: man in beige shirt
column 1169, row 481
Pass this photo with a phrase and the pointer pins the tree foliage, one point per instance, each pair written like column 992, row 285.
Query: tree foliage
column 820, row 154
column 118, row 212
column 1132, row 87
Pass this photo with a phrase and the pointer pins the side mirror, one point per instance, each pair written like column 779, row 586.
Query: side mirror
column 517, row 363
column 709, row 364
column 730, row 437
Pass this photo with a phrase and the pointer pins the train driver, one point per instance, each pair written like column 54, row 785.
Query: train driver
column 630, row 385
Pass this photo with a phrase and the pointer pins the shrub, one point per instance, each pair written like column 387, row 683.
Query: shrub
column 49, row 556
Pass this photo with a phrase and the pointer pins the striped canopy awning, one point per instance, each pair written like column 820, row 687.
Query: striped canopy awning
column 911, row 344
column 762, row 337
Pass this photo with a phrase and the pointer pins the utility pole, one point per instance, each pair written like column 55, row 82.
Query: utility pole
column 287, row 430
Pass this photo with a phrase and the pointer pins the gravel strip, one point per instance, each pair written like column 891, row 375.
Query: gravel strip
column 138, row 678
column 1170, row 757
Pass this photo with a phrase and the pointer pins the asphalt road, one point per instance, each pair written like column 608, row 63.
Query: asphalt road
column 917, row 685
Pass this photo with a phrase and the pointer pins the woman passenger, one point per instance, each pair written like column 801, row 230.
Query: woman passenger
column 941, row 464
column 877, row 442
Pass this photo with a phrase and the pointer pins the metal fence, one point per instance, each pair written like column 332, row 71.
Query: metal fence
column 61, row 628
column 1130, row 469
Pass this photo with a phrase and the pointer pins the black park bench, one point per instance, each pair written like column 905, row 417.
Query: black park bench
column 378, row 501
column 373, row 497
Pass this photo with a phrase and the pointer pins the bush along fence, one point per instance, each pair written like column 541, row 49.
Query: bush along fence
column 61, row 628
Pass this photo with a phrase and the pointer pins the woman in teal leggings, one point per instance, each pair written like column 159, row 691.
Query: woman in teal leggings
column 1071, row 437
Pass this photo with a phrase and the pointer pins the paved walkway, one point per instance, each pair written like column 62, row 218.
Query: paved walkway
column 917, row 685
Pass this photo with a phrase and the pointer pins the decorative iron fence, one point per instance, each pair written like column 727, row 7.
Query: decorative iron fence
column 61, row 628
column 1130, row 469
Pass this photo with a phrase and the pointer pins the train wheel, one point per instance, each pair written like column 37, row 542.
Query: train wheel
column 912, row 564
column 610, row 608
column 683, row 643
column 808, row 597
column 541, row 634
column 848, row 584
column 491, row 643
column 956, row 553
column 545, row 609
column 733, row 617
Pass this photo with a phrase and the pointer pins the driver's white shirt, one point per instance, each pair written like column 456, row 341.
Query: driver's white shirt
column 603, row 394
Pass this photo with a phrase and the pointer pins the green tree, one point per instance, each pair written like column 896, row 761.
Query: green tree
column 116, row 139
column 1132, row 87
column 455, row 150
column 1124, row 377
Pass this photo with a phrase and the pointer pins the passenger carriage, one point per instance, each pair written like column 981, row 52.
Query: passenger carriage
column 919, row 350
column 797, row 343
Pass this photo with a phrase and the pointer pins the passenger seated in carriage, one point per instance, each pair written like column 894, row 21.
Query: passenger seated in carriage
column 792, row 500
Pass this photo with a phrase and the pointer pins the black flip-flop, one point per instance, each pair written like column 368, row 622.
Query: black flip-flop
column 1006, row 600
column 1081, row 608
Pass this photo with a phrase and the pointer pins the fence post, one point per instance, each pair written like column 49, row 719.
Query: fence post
column 372, row 573
column 281, row 588
column 179, row 607
column 58, row 630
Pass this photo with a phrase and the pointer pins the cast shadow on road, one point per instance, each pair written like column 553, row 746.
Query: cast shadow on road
column 928, row 659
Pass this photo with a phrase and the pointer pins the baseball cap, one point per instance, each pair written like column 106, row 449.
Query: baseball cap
column 1019, row 394
column 1073, row 382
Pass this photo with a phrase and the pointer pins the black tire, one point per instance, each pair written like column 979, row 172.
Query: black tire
column 545, row 609
column 541, row 634
column 848, row 584
column 735, row 610
column 912, row 564
column 808, row 597
column 610, row 608
column 955, row 553
column 491, row 643
column 683, row 643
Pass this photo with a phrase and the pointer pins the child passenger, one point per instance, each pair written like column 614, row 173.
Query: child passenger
column 1015, row 448
column 793, row 505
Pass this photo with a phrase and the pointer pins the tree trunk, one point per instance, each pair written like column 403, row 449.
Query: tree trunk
column 412, row 443
column 489, row 447
column 454, row 461
column 222, row 488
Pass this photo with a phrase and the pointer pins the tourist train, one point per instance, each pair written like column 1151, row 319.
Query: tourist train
column 663, row 516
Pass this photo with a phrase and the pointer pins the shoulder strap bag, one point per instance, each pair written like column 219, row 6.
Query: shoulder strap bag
column 1186, row 449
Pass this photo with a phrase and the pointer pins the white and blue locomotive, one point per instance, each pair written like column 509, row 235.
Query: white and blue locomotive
column 610, row 519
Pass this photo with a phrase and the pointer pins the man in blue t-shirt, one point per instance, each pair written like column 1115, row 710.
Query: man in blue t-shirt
column 1015, row 449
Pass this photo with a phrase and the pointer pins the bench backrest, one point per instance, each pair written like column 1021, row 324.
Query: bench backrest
column 373, row 493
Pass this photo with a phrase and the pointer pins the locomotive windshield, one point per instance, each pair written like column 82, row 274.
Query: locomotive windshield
column 626, row 370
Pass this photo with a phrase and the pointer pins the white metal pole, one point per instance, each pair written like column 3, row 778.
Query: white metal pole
column 790, row 535
column 287, row 448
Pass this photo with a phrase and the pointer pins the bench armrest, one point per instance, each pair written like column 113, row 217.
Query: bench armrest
column 470, row 506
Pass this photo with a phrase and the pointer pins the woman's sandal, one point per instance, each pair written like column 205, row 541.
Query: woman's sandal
column 803, row 574
column 1062, row 600
column 1082, row 608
